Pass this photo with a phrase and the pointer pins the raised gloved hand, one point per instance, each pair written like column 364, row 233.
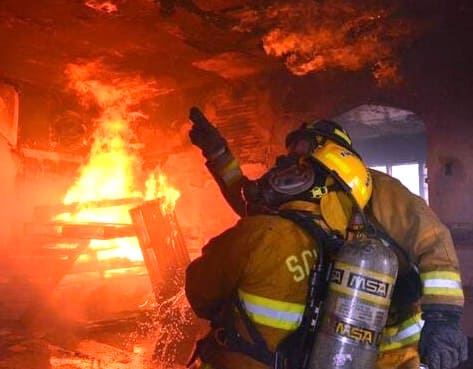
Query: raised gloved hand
column 442, row 343
column 204, row 135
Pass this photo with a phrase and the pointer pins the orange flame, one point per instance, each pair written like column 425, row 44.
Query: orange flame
column 114, row 164
column 313, row 36
column 102, row 6
column 160, row 189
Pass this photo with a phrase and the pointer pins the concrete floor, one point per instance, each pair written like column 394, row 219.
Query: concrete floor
column 20, row 350
column 58, row 344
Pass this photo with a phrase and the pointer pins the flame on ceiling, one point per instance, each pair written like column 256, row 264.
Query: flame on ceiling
column 313, row 36
column 102, row 6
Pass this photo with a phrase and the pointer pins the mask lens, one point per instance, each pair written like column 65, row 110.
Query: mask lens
column 300, row 147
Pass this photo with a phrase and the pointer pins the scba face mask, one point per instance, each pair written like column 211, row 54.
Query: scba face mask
column 292, row 180
column 282, row 183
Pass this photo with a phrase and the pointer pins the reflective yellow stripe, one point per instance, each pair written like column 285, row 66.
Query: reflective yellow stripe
column 442, row 283
column 393, row 330
column 231, row 165
column 457, row 292
column 342, row 135
column 403, row 334
column 453, row 276
column 231, row 177
column 274, row 304
column 396, row 345
column 272, row 313
column 231, row 172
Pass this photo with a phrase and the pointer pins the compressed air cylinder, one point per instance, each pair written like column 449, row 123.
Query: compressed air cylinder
column 356, row 308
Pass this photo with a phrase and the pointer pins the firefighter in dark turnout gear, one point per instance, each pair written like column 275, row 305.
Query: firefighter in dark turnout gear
column 425, row 318
column 264, row 261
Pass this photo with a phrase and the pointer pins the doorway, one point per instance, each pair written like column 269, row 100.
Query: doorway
column 390, row 140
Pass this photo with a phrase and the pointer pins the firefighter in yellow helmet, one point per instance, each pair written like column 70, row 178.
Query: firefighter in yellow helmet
column 251, row 281
column 423, row 244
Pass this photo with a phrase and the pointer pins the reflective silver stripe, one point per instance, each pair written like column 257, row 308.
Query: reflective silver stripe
column 440, row 274
column 404, row 334
column 231, row 175
column 272, row 313
column 442, row 283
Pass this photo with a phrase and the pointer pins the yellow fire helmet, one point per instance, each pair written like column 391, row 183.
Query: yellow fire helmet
column 348, row 184
column 348, row 169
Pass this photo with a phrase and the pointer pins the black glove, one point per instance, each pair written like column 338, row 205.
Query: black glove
column 205, row 136
column 442, row 343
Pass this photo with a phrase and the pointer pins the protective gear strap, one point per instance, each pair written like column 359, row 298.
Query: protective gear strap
column 225, row 334
column 294, row 351
column 258, row 350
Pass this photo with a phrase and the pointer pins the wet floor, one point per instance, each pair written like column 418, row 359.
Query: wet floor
column 136, row 342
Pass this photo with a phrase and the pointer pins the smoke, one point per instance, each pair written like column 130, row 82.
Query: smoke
column 312, row 36
column 95, row 82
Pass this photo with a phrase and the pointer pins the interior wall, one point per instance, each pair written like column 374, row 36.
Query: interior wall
column 450, row 167
column 8, row 162
column 439, row 71
column 8, row 196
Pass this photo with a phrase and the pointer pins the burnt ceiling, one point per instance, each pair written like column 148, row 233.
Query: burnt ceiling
column 39, row 39
column 193, row 49
column 177, row 38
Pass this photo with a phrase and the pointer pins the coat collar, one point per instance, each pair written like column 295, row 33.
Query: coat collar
column 301, row 205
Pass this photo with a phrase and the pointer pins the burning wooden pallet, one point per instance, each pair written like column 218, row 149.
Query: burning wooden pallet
column 162, row 244
column 161, row 241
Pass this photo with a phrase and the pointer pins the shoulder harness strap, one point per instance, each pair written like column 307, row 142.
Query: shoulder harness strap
column 296, row 348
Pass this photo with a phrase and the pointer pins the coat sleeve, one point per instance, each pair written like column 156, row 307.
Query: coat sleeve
column 227, row 172
column 212, row 278
column 414, row 226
